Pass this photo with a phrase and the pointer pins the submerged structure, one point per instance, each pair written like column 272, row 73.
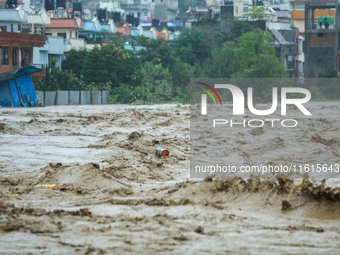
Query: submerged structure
column 17, row 88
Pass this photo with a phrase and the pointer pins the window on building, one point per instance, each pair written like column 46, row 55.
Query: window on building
column 4, row 56
column 76, row 34
column 62, row 35
column 26, row 54
column 3, row 28
column 14, row 58
column 161, row 1
column 47, row 34
column 153, row 1
column 12, row 28
column 19, row 28
column 291, row 63
column 301, row 7
column 145, row 14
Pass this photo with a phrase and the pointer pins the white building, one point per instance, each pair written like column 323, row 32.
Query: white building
column 54, row 47
column 37, row 22
column 301, row 64
column 151, row 9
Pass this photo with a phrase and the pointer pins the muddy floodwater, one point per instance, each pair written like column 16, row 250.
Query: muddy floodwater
column 156, row 208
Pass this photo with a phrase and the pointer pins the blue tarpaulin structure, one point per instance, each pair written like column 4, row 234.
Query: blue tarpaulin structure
column 17, row 89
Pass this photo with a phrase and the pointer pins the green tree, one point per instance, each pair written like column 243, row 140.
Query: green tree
column 183, row 6
column 255, row 58
column 258, row 13
column 158, row 81
column 94, row 69
column 118, row 42
column 330, row 74
column 223, row 62
column 181, row 80
column 122, row 66
column 190, row 46
column 74, row 61
column 58, row 79
column 238, row 28
column 157, row 51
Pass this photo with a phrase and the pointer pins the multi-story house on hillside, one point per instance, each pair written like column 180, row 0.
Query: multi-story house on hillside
column 151, row 9
column 16, row 44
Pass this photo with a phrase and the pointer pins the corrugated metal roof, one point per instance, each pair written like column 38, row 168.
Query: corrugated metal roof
column 19, row 72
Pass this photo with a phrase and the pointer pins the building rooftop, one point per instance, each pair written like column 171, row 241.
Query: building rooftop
column 14, row 15
column 66, row 23
column 101, row 27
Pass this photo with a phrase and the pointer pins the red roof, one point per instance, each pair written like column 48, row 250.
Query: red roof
column 65, row 23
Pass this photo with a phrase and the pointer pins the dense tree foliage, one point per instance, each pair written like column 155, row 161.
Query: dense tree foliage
column 258, row 13
column 94, row 68
column 256, row 58
column 161, row 72
column 74, row 61
column 183, row 6
column 122, row 66
column 191, row 47
column 58, row 79
column 157, row 51
column 222, row 63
